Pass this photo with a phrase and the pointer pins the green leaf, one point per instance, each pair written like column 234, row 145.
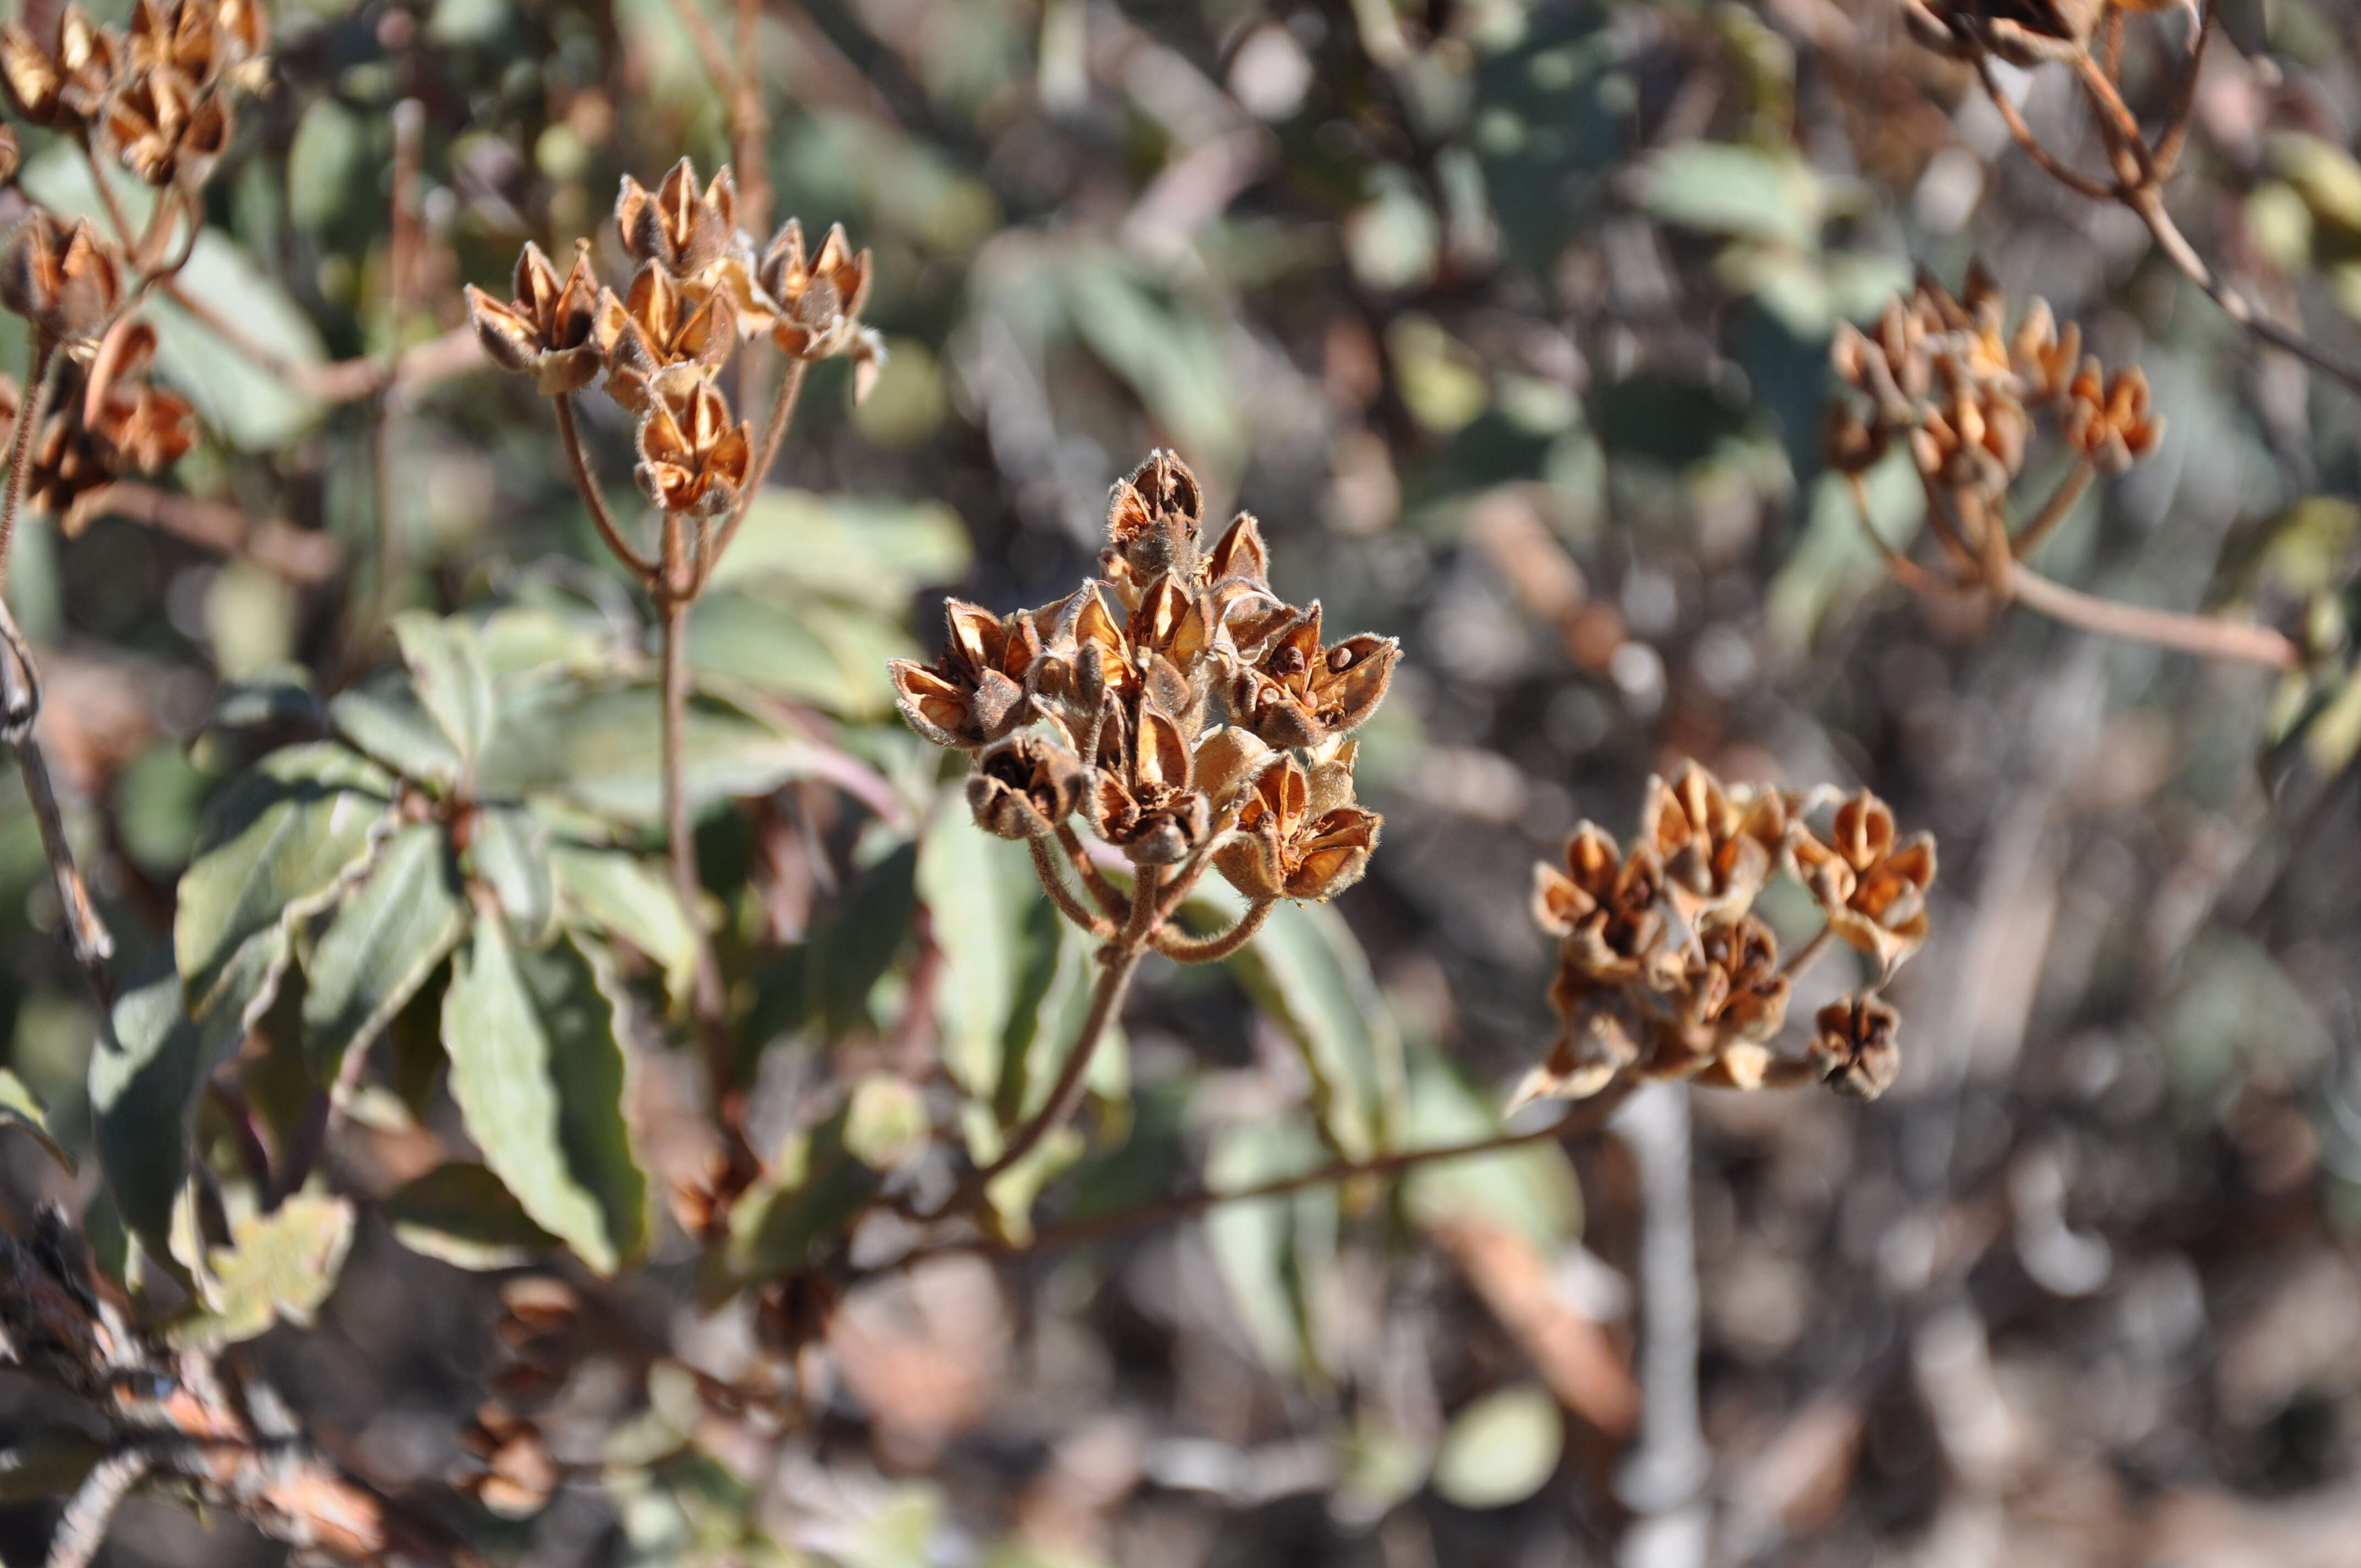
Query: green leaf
column 461, row 1214
column 974, row 887
column 627, row 899
column 147, row 1072
column 1502, row 1449
column 277, row 846
column 18, row 1107
column 852, row 952
column 1725, row 189
column 277, row 1265
column 1530, row 1190
column 788, row 1219
column 383, row 943
column 1274, row 1253
column 808, row 650
column 383, row 718
column 867, row 550
column 605, row 748
column 537, row 1069
column 1308, row 974
column 454, row 685
column 510, row 851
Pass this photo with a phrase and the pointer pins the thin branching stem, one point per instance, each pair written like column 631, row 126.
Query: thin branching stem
column 1222, row 943
column 2208, row 636
column 2149, row 205
column 2074, row 179
column 2054, row 511
column 82, row 1527
column 570, row 436
column 1110, row 898
column 774, row 433
column 1581, row 1120
column 1053, row 883
column 708, row 999
column 20, row 450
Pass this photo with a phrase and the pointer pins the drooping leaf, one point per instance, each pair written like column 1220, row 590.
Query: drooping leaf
column 279, row 1265
column 380, row 946
column 627, row 900
column 461, row 1214
column 1308, row 974
column 149, row 1068
column 20, row 1108
column 1274, row 1253
column 537, row 1069
column 276, row 847
column 1501, row 1449
column 510, row 851
column 974, row 887
column 454, row 685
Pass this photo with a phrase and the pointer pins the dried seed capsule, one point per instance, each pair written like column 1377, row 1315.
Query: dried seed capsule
column 65, row 281
column 1854, row 1047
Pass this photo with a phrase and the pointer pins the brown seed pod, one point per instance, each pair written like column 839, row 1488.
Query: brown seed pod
column 975, row 693
column 559, row 333
column 1854, row 1047
column 1029, row 783
column 819, row 300
column 66, row 281
column 692, row 458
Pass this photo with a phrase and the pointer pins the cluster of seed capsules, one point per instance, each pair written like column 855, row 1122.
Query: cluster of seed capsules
column 699, row 290
column 1664, row 971
column 1948, row 380
column 1105, row 703
column 155, row 95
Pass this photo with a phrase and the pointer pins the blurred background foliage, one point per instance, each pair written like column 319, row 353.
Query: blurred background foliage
column 1509, row 319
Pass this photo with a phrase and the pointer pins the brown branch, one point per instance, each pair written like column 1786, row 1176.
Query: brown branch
column 2023, row 135
column 1110, row 898
column 570, row 437
column 709, row 1001
column 1580, row 1120
column 2149, row 205
column 454, row 353
column 2206, row 636
column 1214, row 948
column 82, row 1527
column 299, row 555
column 2053, row 512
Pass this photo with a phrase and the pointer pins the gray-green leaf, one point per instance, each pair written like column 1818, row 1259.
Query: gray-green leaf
column 276, row 847
column 510, row 851
column 537, row 1069
column 627, row 900
column 380, row 948
column 453, row 684
column 18, row 1107
column 461, row 1214
column 1308, row 974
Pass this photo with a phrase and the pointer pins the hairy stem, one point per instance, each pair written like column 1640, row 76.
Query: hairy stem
column 20, row 450
column 82, row 1527
column 1220, row 946
column 680, row 844
column 1053, row 883
column 2206, row 636
column 1109, row 897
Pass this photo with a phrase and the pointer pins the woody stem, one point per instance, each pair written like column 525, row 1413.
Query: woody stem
column 1120, row 958
column 2028, row 537
column 20, row 450
column 680, row 842
column 570, row 436
column 1801, row 959
column 2149, row 204
column 2207, row 636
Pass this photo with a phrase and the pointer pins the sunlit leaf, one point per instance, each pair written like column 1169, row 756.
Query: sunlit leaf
column 537, row 1069
column 281, row 1264
column 380, row 946
column 604, row 748
column 1530, row 1190
column 277, row 845
column 1274, row 1253
column 510, row 851
column 20, row 1108
column 453, row 684
column 627, row 900
column 1308, row 974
